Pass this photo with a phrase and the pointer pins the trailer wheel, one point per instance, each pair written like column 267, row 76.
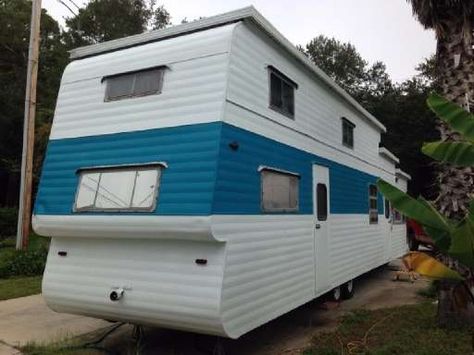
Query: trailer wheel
column 335, row 294
column 347, row 290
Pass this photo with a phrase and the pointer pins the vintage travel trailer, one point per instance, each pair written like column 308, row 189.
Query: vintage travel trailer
column 208, row 177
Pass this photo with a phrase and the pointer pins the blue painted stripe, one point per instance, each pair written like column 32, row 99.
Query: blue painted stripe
column 238, row 180
column 204, row 176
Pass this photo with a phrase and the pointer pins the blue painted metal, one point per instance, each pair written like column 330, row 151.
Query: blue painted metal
column 204, row 175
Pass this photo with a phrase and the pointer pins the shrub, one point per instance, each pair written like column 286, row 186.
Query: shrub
column 8, row 222
column 24, row 263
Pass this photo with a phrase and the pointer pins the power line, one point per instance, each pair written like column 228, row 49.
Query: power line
column 67, row 6
column 72, row 2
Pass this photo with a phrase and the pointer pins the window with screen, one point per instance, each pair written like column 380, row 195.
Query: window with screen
column 138, row 83
column 118, row 189
column 387, row 209
column 347, row 133
column 322, row 202
column 373, row 209
column 279, row 191
column 282, row 93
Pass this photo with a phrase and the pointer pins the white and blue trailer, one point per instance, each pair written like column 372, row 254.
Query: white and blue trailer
column 208, row 177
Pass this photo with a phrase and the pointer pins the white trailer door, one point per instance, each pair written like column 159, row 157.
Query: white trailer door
column 321, row 217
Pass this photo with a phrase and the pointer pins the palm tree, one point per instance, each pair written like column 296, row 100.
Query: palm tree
column 453, row 23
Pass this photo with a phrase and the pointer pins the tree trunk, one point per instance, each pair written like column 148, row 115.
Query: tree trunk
column 455, row 69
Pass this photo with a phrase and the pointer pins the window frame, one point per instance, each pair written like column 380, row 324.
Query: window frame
column 372, row 210
column 264, row 169
column 160, row 166
column 347, row 124
column 135, row 73
column 274, row 71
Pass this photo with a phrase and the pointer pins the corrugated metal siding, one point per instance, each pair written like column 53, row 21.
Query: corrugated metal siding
column 238, row 182
column 193, row 87
column 318, row 110
column 269, row 268
column 163, row 285
column 186, row 186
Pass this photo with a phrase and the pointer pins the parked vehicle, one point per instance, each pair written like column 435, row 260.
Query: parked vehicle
column 208, row 177
column 417, row 236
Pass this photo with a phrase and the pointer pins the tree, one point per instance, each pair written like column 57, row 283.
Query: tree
column 105, row 20
column 452, row 21
column 340, row 61
column 14, row 35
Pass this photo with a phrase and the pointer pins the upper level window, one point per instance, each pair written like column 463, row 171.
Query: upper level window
column 279, row 191
column 347, row 133
column 108, row 189
column 373, row 208
column 138, row 83
column 282, row 96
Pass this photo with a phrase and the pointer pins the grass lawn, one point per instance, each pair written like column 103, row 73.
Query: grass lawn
column 19, row 287
column 24, row 269
column 401, row 330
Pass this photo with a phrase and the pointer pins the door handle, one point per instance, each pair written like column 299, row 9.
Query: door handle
column 318, row 226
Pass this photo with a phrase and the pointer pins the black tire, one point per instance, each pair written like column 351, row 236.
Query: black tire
column 347, row 290
column 413, row 244
column 335, row 294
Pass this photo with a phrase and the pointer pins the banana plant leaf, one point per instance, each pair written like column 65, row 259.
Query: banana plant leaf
column 459, row 119
column 428, row 266
column 412, row 208
column 462, row 242
column 457, row 153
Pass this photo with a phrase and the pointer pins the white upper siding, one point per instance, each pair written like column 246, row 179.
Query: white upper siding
column 193, row 87
column 318, row 109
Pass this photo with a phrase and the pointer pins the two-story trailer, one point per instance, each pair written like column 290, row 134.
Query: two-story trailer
column 208, row 177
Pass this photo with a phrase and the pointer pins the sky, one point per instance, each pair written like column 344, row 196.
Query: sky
column 380, row 29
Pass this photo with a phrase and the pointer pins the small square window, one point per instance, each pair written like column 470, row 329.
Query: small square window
column 118, row 189
column 347, row 133
column 139, row 83
column 373, row 208
column 282, row 96
column 279, row 191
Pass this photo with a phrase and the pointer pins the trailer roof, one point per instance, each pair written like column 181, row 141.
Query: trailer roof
column 245, row 14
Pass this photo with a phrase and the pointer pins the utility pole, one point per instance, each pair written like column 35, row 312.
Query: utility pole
column 24, row 210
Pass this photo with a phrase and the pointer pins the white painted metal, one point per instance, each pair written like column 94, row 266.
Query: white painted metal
column 192, row 92
column 321, row 231
column 248, row 14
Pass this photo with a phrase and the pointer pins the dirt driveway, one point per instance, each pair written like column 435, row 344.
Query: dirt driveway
column 289, row 334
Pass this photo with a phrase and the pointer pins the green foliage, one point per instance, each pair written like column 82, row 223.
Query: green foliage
column 105, row 20
column 8, row 222
column 24, row 263
column 457, row 153
column 455, row 238
column 455, row 116
column 419, row 210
